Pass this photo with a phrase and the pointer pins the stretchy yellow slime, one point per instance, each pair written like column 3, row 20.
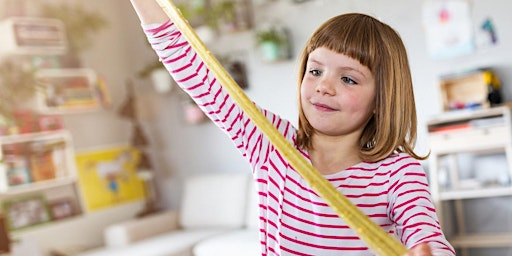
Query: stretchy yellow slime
column 376, row 238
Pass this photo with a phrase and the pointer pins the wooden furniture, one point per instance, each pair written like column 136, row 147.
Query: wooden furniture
column 5, row 239
column 480, row 132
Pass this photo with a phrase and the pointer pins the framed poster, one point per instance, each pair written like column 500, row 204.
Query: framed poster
column 448, row 28
column 108, row 176
column 61, row 209
column 25, row 212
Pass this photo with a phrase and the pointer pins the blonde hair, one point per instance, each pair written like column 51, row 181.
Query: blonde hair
column 392, row 129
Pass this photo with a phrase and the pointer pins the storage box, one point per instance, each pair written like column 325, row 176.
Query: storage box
column 32, row 36
column 50, row 122
column 478, row 89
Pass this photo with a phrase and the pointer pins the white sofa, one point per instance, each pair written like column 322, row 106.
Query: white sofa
column 218, row 216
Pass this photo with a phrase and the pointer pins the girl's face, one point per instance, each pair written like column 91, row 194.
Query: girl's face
column 337, row 93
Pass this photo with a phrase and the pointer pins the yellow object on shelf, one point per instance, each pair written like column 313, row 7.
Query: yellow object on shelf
column 472, row 90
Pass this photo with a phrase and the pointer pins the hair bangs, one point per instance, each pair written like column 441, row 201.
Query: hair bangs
column 359, row 39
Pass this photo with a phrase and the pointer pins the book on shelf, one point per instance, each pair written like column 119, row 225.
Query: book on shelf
column 46, row 159
column 15, row 164
column 42, row 166
column 17, row 170
column 467, row 124
column 449, row 127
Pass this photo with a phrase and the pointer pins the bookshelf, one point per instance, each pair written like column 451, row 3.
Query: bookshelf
column 483, row 131
column 37, row 170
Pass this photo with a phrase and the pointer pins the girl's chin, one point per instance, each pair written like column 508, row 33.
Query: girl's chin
column 323, row 130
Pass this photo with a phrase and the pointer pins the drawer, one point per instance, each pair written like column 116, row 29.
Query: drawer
column 471, row 139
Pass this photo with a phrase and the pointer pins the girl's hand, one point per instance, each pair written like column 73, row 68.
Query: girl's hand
column 420, row 250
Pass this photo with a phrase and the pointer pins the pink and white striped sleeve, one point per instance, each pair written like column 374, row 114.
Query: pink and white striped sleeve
column 192, row 75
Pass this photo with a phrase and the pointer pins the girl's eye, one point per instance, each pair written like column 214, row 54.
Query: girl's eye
column 348, row 80
column 315, row 72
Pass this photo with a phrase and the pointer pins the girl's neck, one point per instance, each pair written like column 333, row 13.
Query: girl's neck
column 332, row 156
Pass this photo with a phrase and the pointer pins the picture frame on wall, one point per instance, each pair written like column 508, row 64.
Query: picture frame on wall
column 26, row 211
column 61, row 209
column 32, row 36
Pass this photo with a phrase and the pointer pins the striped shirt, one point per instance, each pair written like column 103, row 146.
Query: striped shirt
column 294, row 220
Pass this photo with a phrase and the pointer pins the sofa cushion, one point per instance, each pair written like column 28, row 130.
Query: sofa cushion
column 215, row 200
column 177, row 243
column 252, row 208
column 243, row 242
column 122, row 234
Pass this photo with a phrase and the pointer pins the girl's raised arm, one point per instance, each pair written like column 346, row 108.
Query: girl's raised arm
column 149, row 11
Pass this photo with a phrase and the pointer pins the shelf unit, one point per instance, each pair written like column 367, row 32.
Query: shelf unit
column 69, row 91
column 482, row 132
column 51, row 154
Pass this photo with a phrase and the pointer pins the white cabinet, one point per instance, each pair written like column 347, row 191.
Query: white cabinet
column 37, row 170
column 481, row 132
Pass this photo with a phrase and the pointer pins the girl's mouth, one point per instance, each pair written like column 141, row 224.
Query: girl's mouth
column 323, row 107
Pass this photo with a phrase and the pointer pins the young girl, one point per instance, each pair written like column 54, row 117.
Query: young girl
column 357, row 126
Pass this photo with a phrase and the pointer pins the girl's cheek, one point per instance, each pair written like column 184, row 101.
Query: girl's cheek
column 307, row 83
column 303, row 86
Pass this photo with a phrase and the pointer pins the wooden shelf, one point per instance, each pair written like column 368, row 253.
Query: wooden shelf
column 475, row 193
column 27, row 137
column 482, row 240
column 38, row 186
column 468, row 114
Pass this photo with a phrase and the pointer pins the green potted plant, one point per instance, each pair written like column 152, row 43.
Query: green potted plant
column 225, row 15
column 18, row 86
column 273, row 43
column 80, row 25
column 199, row 15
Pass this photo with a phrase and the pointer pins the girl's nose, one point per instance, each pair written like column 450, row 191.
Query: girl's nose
column 324, row 86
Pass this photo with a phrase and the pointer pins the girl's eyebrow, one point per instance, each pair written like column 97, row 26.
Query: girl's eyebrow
column 313, row 60
column 355, row 70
